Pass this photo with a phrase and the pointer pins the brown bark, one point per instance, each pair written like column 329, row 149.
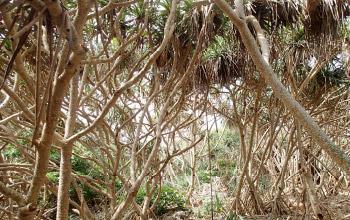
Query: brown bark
column 11, row 193
column 307, row 178
column 65, row 72
column 27, row 212
column 168, row 31
column 66, row 155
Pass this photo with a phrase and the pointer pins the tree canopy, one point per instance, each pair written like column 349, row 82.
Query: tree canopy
column 140, row 109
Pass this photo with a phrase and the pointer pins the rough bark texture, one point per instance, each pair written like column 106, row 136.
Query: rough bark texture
column 65, row 71
column 66, row 155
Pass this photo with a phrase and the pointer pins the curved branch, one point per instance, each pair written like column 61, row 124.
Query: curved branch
column 298, row 111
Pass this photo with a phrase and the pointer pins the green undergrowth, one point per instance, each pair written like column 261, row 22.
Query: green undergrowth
column 169, row 199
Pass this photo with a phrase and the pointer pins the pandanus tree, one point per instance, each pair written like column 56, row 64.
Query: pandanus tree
column 117, row 79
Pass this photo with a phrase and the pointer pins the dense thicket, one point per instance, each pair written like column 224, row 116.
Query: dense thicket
column 174, row 109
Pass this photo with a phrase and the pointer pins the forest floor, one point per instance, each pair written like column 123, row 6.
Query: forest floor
column 334, row 208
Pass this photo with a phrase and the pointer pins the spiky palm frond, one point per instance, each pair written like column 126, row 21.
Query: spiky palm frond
column 221, row 64
column 136, row 11
column 217, row 48
column 275, row 14
column 334, row 73
column 319, row 17
column 288, row 24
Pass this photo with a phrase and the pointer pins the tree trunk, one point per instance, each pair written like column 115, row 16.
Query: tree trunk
column 65, row 71
column 66, row 155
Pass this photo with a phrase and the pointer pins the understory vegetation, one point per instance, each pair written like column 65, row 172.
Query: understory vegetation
column 174, row 109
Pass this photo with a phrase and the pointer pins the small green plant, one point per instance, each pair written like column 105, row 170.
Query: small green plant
column 223, row 140
column 83, row 167
column 203, row 176
column 80, row 165
column 24, row 137
column 90, row 195
column 53, row 176
column 218, row 206
column 226, row 167
column 55, row 155
column 12, row 153
column 218, row 47
column 169, row 199
column 118, row 185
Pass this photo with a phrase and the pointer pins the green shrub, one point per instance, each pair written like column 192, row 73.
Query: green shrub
column 80, row 165
column 140, row 196
column 53, row 176
column 204, row 175
column 90, row 195
column 55, row 155
column 226, row 167
column 83, row 167
column 222, row 141
column 24, row 137
column 169, row 199
column 118, row 185
column 12, row 153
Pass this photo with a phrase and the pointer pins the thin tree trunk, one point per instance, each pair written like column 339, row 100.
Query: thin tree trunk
column 307, row 178
column 65, row 72
column 168, row 32
column 193, row 175
column 66, row 155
